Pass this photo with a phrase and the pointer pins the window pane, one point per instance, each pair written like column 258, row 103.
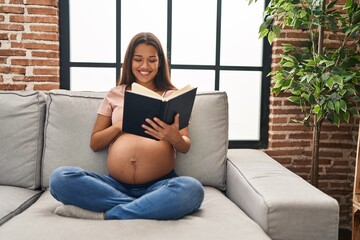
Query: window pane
column 92, row 79
column 143, row 16
column 204, row 80
column 244, row 95
column 240, row 45
column 92, row 31
column 193, row 32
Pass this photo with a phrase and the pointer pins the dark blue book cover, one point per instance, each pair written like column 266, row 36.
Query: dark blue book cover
column 138, row 107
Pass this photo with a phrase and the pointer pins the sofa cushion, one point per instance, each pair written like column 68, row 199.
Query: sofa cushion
column 22, row 121
column 275, row 197
column 208, row 129
column 71, row 116
column 218, row 218
column 14, row 200
column 70, row 119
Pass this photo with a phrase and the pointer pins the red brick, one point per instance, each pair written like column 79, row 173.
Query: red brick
column 16, row 2
column 46, row 71
column 288, row 152
column 21, row 62
column 11, row 27
column 41, row 46
column 45, row 54
column 36, row 78
column 17, row 70
column 40, row 36
column 35, row 62
column 43, row 2
column 9, row 52
column 46, row 87
column 16, row 87
column 277, row 136
column 33, row 19
column 42, row 11
column 8, row 9
column 5, row 69
column 289, row 144
column 44, row 28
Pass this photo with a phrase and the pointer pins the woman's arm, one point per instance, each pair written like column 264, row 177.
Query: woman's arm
column 104, row 133
column 182, row 144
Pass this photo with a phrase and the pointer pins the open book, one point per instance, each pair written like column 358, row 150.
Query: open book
column 141, row 103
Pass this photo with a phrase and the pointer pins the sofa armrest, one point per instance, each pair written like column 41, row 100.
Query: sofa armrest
column 282, row 203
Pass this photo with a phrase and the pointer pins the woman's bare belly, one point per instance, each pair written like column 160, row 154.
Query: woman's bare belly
column 137, row 160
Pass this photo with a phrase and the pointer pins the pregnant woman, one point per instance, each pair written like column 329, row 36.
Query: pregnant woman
column 142, row 183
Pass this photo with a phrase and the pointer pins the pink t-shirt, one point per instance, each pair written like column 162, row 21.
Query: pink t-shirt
column 113, row 103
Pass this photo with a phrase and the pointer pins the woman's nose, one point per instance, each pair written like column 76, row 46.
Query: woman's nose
column 145, row 64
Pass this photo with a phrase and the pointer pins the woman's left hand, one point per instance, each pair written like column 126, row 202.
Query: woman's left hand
column 163, row 131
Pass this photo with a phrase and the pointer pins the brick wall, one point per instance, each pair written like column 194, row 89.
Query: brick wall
column 29, row 60
column 29, row 47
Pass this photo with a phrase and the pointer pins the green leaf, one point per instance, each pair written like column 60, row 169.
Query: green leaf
column 317, row 109
column 330, row 83
column 325, row 76
column 276, row 30
column 346, row 116
column 294, row 99
column 343, row 105
column 330, row 105
column 312, row 99
column 262, row 27
column 288, row 64
column 338, row 79
column 263, row 33
column 311, row 63
column 348, row 4
column 295, row 92
column 336, row 120
column 353, row 111
column 276, row 90
column 331, row 4
column 337, row 107
column 327, row 63
column 271, row 36
column 342, row 92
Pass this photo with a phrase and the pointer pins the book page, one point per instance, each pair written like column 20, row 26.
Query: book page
column 179, row 92
column 137, row 88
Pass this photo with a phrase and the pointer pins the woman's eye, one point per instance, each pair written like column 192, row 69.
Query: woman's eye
column 137, row 59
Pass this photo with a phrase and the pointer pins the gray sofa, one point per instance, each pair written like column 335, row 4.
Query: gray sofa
column 248, row 195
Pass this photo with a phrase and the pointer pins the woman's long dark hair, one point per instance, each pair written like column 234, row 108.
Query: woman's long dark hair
column 162, row 79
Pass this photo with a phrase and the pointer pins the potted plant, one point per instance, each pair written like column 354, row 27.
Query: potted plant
column 323, row 79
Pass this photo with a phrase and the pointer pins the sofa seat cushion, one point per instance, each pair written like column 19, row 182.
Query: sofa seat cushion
column 22, row 122
column 218, row 218
column 14, row 200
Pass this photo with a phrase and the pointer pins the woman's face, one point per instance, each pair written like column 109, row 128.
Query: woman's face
column 145, row 64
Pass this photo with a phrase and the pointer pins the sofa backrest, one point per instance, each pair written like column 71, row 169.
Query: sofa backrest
column 71, row 116
column 21, row 137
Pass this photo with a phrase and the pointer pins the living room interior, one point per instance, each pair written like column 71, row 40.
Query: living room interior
column 79, row 45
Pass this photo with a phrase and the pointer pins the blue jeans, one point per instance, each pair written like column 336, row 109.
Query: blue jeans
column 170, row 197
